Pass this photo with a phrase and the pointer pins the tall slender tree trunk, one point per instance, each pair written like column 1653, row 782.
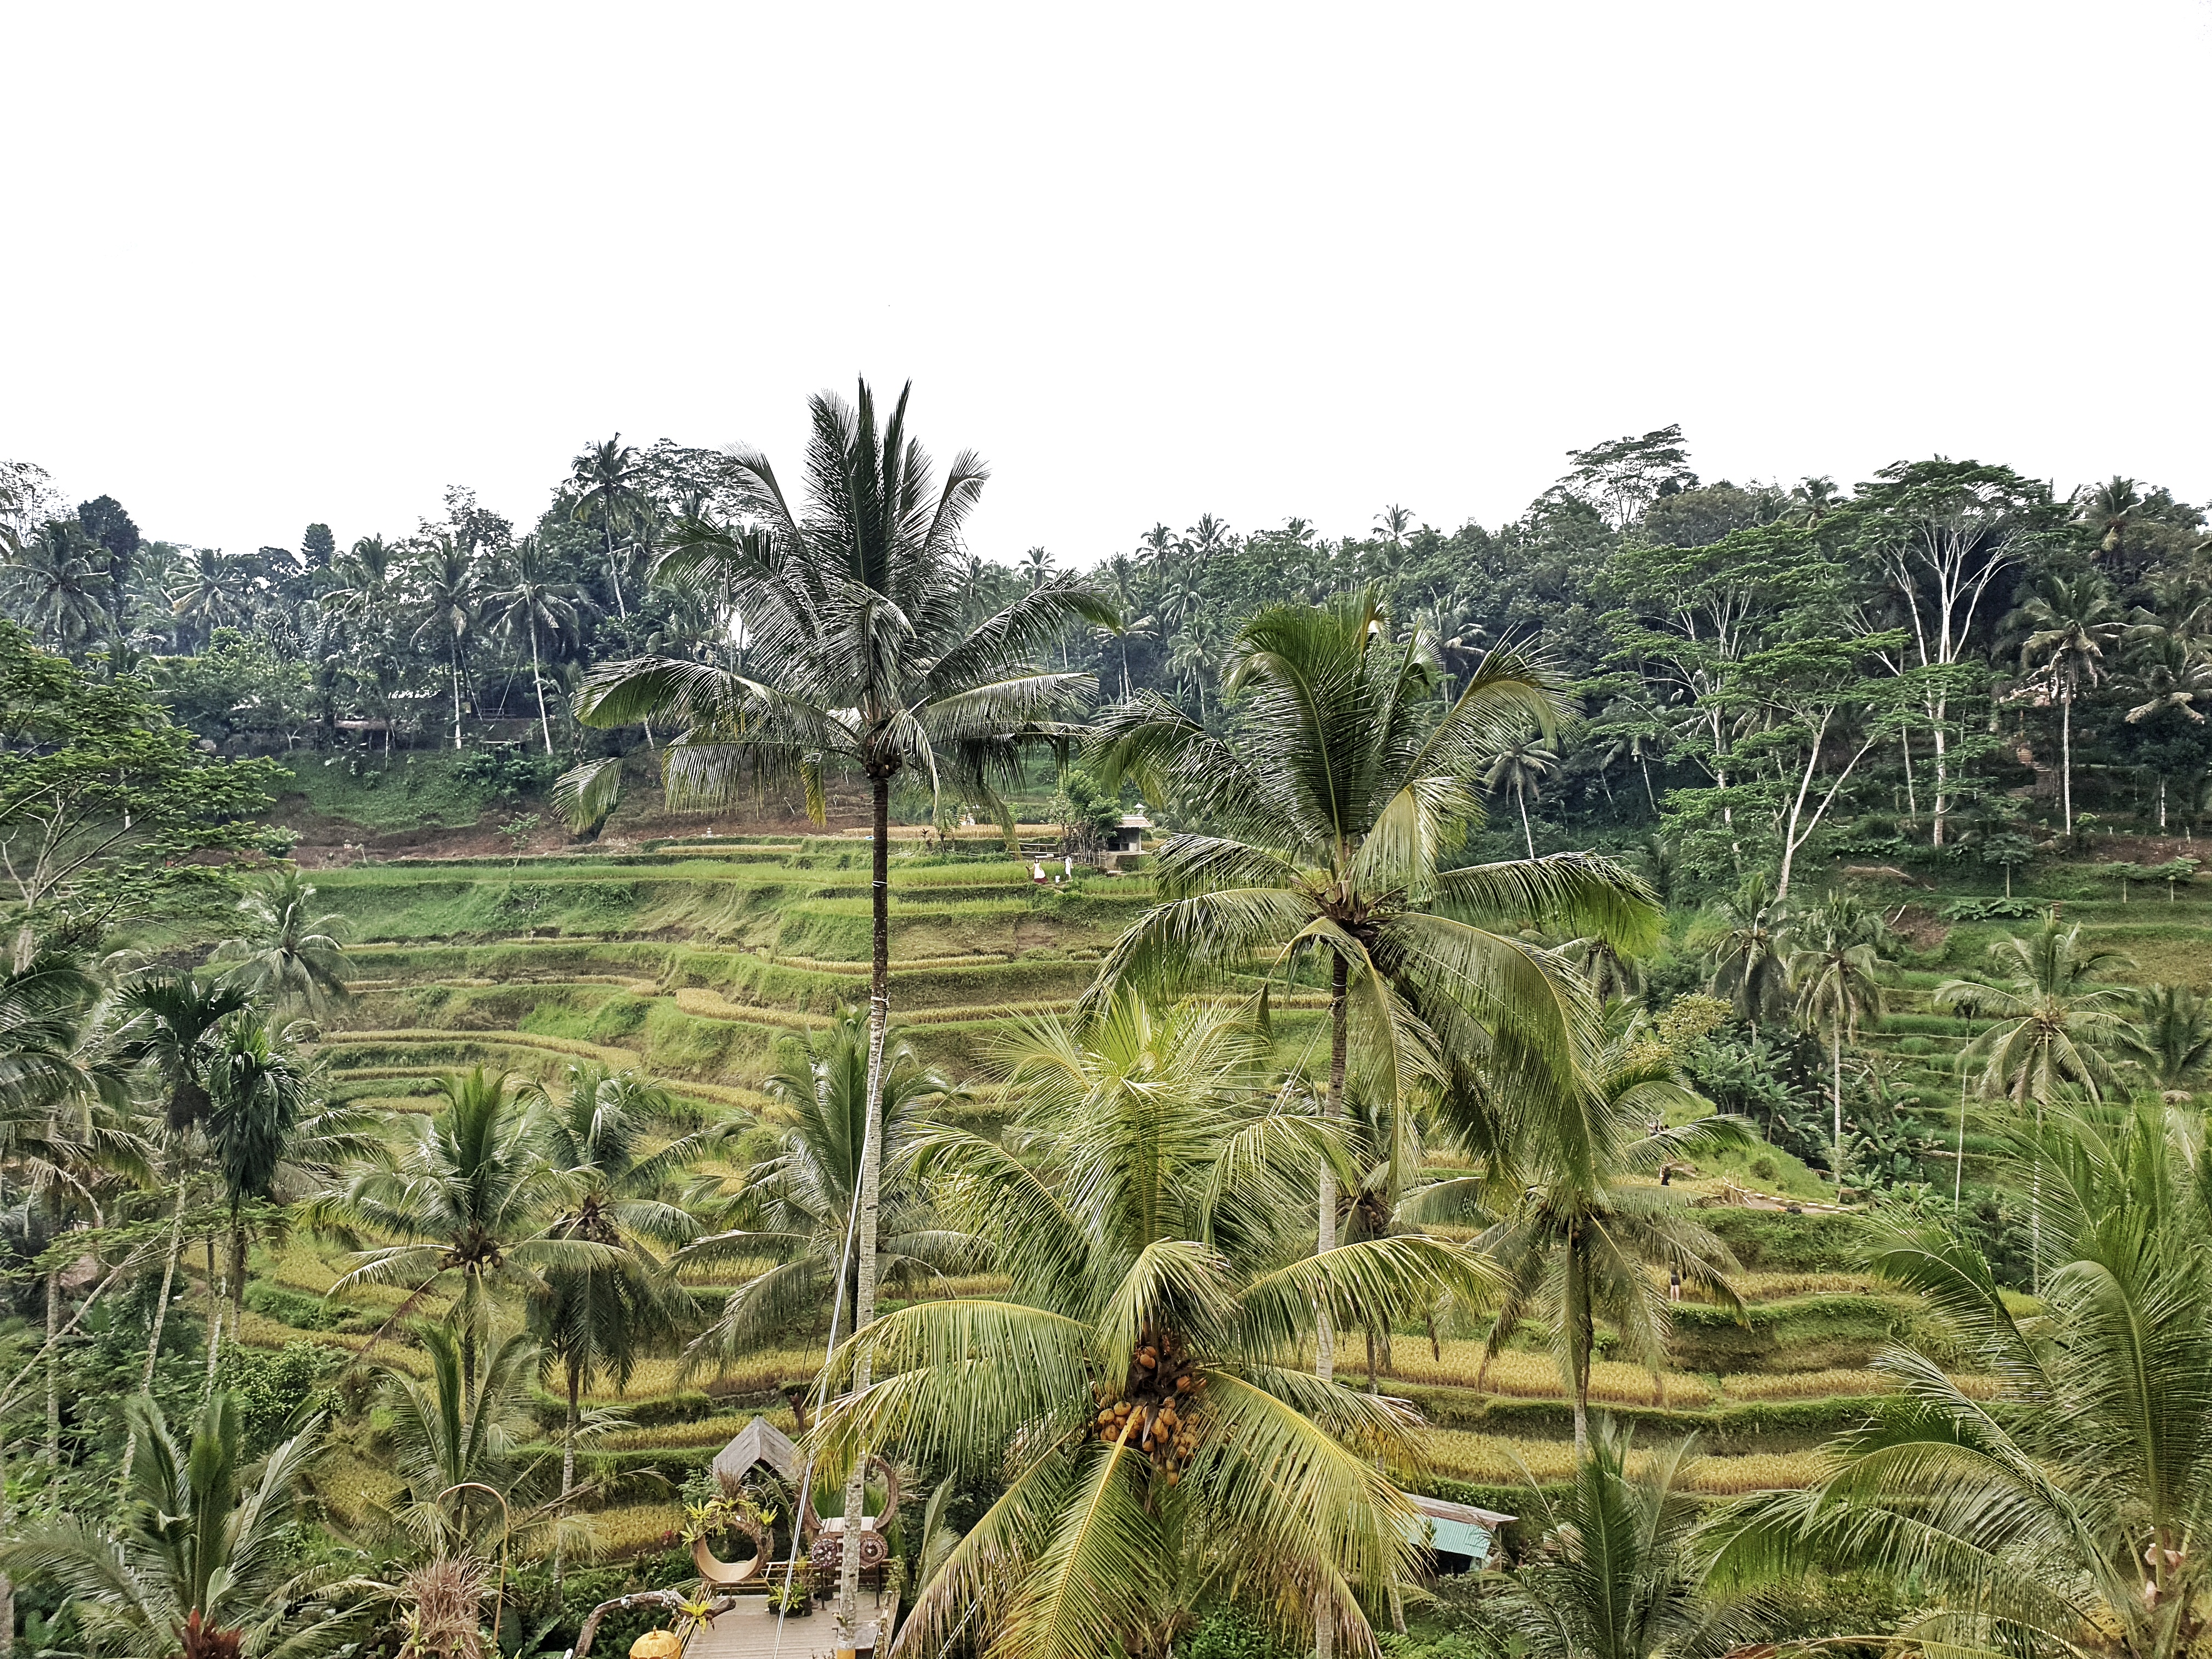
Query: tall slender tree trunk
column 215, row 1319
column 1911, row 797
column 575, row 1370
column 537, row 682
column 1325, row 1240
column 2066, row 760
column 1645, row 767
column 53, row 1450
column 614, row 574
column 1836, row 1097
column 1332, row 1109
column 160, row 1318
column 1526, row 835
column 237, row 1271
column 871, row 1194
column 1582, row 1337
column 456, row 661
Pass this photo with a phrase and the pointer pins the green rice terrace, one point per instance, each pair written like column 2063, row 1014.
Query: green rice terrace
column 691, row 958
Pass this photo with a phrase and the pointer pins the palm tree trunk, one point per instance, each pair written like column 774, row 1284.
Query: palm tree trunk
column 870, row 1195
column 1836, row 1097
column 2066, row 760
column 1581, row 1338
column 1525, row 835
column 160, row 1318
column 53, row 1451
column 215, row 1319
column 568, row 1453
column 454, row 657
column 537, row 682
column 1645, row 767
column 7, row 1584
column 237, row 1271
column 1332, row 1109
column 614, row 575
column 1325, row 1240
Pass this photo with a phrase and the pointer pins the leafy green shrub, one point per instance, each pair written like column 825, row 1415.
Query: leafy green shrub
column 1992, row 909
column 1226, row 1632
column 510, row 770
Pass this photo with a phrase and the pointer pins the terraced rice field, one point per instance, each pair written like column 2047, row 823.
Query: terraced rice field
column 691, row 962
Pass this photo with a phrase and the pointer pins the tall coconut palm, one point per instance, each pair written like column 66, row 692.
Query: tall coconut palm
column 2051, row 1022
column 1837, row 955
column 1617, row 1571
column 2171, row 1038
column 468, row 1201
column 1742, row 937
column 1581, row 1241
column 214, row 592
column 532, row 599
column 795, row 1207
column 608, row 1132
column 59, row 585
column 287, row 952
column 269, row 1126
column 1339, row 797
column 1518, row 770
column 2061, row 1514
column 2072, row 621
column 446, row 586
column 1139, row 1391
column 609, row 485
column 203, row 1561
column 2052, row 1017
column 876, row 668
column 2109, row 512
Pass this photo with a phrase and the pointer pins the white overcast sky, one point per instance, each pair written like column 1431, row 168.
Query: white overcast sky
column 272, row 264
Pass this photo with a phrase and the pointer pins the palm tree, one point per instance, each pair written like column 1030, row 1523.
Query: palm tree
column 287, row 952
column 1742, row 937
column 1338, row 796
column 171, row 1019
column 1576, row 1245
column 608, row 481
column 269, row 1120
column 2172, row 1037
column 605, row 1130
column 1617, row 1572
column 1137, row 1395
column 2051, row 1017
column 216, row 593
column 2072, row 622
column 1035, row 566
column 1838, row 952
column 59, row 1068
column 2050, row 1020
column 467, row 1200
column 2171, row 676
column 795, row 1207
column 877, row 667
column 202, row 1562
column 459, row 1437
column 2109, row 512
column 59, row 587
column 444, row 576
column 1518, row 770
column 2058, row 1515
column 534, row 601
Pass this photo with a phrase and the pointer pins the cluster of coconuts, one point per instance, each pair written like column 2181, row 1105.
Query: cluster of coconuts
column 1161, row 1394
